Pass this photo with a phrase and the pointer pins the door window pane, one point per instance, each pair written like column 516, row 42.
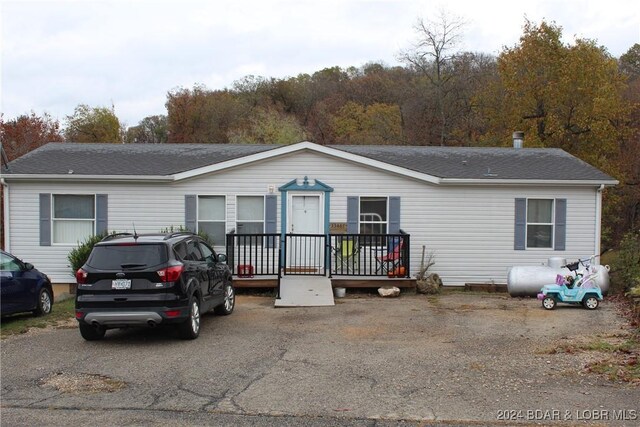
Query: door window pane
column 8, row 264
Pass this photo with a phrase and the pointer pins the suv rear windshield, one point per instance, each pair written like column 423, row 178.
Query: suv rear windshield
column 117, row 257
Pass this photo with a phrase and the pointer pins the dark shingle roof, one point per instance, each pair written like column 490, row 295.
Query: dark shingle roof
column 127, row 159
column 169, row 159
column 484, row 163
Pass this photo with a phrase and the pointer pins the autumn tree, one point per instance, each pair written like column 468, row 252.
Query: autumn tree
column 200, row 115
column 376, row 124
column 268, row 126
column 475, row 71
column 28, row 132
column 432, row 55
column 629, row 192
column 566, row 96
column 150, row 130
column 93, row 124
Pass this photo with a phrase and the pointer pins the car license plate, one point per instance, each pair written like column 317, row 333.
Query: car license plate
column 121, row 284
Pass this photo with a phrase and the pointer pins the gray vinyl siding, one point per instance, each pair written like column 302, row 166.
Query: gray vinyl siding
column 469, row 228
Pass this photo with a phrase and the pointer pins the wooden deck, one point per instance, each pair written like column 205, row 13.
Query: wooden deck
column 342, row 282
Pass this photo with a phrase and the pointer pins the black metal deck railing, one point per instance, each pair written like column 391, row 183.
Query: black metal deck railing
column 369, row 255
column 382, row 255
column 252, row 255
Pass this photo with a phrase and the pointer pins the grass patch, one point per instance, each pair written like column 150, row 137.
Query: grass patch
column 15, row 324
column 616, row 356
column 616, row 369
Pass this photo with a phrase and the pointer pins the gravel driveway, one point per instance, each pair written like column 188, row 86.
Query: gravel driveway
column 454, row 358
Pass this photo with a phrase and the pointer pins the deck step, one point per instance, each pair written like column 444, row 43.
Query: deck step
column 305, row 291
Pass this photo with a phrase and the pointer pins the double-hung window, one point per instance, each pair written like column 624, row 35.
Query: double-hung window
column 74, row 218
column 212, row 217
column 373, row 215
column 540, row 223
column 250, row 215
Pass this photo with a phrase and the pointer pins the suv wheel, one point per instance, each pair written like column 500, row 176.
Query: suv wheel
column 190, row 328
column 91, row 333
column 44, row 303
column 229, row 303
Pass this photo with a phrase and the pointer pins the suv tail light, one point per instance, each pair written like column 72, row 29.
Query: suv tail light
column 171, row 274
column 81, row 276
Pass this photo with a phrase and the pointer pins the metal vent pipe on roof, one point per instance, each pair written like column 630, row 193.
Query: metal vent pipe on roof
column 518, row 139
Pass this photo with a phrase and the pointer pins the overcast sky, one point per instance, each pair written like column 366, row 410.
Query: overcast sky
column 58, row 54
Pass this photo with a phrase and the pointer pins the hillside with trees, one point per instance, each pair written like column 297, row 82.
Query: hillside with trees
column 573, row 96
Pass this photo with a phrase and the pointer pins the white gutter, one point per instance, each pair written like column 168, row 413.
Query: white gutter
column 5, row 211
column 598, row 231
column 476, row 181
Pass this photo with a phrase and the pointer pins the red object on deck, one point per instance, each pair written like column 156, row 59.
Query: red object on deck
column 245, row 270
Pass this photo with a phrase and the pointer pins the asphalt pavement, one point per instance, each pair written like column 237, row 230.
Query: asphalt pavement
column 455, row 359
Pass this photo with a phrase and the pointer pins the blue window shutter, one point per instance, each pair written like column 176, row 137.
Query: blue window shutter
column 270, row 219
column 352, row 214
column 520, row 232
column 102, row 214
column 45, row 219
column 394, row 215
column 560, row 238
column 190, row 212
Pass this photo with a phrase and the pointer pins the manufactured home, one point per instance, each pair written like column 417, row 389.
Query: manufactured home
column 347, row 212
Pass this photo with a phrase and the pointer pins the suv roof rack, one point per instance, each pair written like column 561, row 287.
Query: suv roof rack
column 178, row 233
column 113, row 236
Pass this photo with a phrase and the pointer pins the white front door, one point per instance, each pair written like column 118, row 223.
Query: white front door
column 305, row 214
column 306, row 218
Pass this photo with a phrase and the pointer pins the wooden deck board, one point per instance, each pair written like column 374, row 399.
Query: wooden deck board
column 359, row 282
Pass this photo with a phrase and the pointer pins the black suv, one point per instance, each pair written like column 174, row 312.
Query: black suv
column 151, row 279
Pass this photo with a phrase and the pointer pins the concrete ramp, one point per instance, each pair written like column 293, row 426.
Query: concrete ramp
column 305, row 291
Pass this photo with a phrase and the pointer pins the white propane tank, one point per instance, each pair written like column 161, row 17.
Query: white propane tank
column 556, row 262
column 523, row 281
column 526, row 281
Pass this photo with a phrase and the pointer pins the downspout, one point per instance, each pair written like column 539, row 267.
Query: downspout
column 5, row 197
column 598, row 230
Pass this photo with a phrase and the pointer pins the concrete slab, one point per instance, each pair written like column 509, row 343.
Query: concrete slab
column 305, row 291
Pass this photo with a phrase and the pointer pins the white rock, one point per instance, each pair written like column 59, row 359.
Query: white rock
column 389, row 291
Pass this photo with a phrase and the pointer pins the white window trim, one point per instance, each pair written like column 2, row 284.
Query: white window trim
column 198, row 220
column 264, row 213
column 54, row 219
column 385, row 222
column 552, row 224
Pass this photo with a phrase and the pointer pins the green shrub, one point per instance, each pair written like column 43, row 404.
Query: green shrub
column 79, row 255
column 627, row 264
